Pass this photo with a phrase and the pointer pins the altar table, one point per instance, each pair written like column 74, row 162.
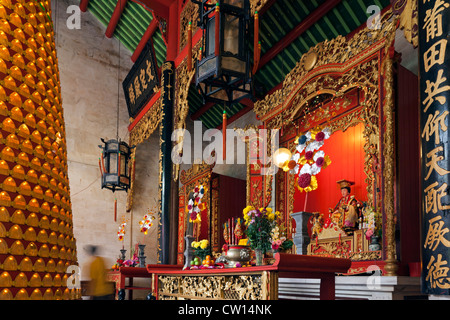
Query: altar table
column 249, row 283
column 119, row 276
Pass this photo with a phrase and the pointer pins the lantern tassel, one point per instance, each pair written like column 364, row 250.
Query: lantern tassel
column 100, row 167
column 118, row 165
column 256, row 44
column 103, row 164
column 217, row 30
column 115, row 210
column 224, row 135
column 189, row 58
column 258, row 56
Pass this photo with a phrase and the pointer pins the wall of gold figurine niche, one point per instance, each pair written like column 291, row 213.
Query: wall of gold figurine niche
column 36, row 234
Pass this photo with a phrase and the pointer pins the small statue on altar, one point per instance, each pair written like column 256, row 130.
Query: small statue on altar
column 347, row 211
column 317, row 222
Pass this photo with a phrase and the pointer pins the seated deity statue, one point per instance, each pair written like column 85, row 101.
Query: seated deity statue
column 347, row 211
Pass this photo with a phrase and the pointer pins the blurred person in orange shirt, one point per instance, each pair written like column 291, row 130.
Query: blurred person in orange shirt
column 100, row 289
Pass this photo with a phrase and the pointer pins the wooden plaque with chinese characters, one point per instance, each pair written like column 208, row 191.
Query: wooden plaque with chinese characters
column 140, row 82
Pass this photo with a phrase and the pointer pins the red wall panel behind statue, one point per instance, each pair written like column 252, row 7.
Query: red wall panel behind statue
column 346, row 151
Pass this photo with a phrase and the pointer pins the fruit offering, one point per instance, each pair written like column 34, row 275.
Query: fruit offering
column 195, row 262
column 208, row 261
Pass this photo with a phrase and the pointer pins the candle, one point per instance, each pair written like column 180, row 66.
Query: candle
column 189, row 58
column 229, row 232
column 232, row 230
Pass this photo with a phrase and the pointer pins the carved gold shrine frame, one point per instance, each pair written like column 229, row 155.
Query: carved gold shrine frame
column 365, row 62
column 198, row 174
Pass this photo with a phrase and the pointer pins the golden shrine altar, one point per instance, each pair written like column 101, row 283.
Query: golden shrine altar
column 354, row 247
column 250, row 283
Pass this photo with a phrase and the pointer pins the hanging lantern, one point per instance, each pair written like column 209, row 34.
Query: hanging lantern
column 115, row 165
column 223, row 72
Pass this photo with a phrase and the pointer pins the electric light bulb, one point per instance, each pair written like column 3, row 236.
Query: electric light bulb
column 281, row 157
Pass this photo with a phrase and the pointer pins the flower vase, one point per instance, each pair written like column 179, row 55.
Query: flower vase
column 141, row 256
column 188, row 251
column 374, row 244
column 122, row 254
column 259, row 257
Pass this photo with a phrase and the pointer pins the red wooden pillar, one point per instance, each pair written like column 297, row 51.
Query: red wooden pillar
column 172, row 35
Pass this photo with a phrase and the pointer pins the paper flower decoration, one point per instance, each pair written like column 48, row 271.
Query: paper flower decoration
column 195, row 205
column 146, row 223
column 320, row 161
column 308, row 159
column 121, row 232
column 306, row 180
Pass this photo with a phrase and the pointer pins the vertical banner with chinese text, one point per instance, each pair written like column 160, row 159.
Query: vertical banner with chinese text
column 166, row 128
column 434, row 84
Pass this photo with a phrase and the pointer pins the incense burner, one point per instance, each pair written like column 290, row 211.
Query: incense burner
column 238, row 254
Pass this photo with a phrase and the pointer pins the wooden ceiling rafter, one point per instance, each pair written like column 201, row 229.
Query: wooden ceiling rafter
column 84, row 5
column 145, row 38
column 117, row 14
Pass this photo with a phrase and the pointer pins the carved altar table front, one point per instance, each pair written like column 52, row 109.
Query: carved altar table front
column 250, row 283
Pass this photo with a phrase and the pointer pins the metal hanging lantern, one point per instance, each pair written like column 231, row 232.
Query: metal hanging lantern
column 115, row 165
column 223, row 72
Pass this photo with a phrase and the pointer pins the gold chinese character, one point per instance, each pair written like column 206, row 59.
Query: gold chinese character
column 169, row 86
column 137, row 87
column 433, row 89
column 142, row 78
column 435, row 54
column 149, row 71
column 433, row 198
column 433, row 20
column 131, row 93
column 437, row 273
column 433, row 163
column 432, row 126
column 436, row 233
